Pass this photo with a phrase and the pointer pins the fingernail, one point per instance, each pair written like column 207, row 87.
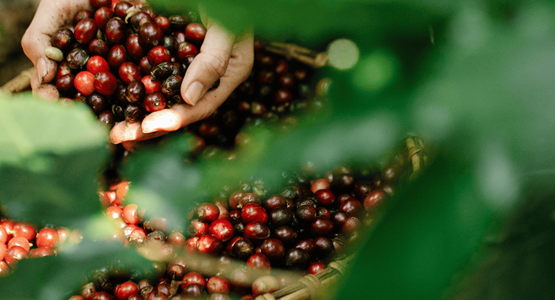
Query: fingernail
column 193, row 93
column 41, row 69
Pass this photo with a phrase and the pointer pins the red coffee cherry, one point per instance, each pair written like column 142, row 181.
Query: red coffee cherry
column 258, row 261
column 3, row 250
column 195, row 32
column 130, row 214
column 208, row 212
column 158, row 55
column 105, row 83
column 198, row 228
column 316, row 267
column 373, row 200
column 129, row 72
column 47, row 237
column 218, row 284
column 14, row 254
column 3, row 236
column 209, row 244
column 222, row 229
column 252, row 212
column 126, row 290
column 256, row 232
column 97, row 64
column 98, row 47
column 85, row 30
column 193, row 278
column 325, row 197
column 116, row 31
column 352, row 207
column 84, row 83
column 41, row 252
column 24, row 230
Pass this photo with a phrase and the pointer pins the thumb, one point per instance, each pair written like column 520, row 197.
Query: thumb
column 209, row 65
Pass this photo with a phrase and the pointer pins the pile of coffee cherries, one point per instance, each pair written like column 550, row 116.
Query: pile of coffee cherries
column 123, row 60
column 240, row 241
column 20, row 240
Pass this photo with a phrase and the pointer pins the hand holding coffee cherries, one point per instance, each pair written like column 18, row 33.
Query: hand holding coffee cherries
column 119, row 32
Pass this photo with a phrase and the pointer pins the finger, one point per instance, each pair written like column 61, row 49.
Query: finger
column 44, row 91
column 122, row 133
column 209, row 65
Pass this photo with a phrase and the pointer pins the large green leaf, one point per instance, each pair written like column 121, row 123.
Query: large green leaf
column 50, row 158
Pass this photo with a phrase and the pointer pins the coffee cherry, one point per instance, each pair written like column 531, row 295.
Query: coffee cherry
column 256, row 232
column 154, row 102
column 158, row 55
column 24, row 230
column 297, row 258
column 281, row 216
column 285, row 234
column 373, row 200
column 307, row 245
column 98, row 47
column 47, row 237
column 20, row 242
column 134, row 47
column 191, row 245
column 129, row 72
column 321, row 227
column 221, row 229
column 41, row 252
column 105, row 83
column 137, row 236
column 14, row 254
column 352, row 207
column 208, row 212
column 150, row 35
column 252, row 212
column 126, row 290
column 218, row 284
column 274, row 201
column 163, row 23
column 258, row 261
column 273, row 249
column 193, row 278
column 194, row 291
column 117, row 56
column 130, row 215
column 306, row 213
column 101, row 296
column 135, row 92
column 138, row 19
column 209, row 244
column 65, row 83
column 3, row 250
column 120, row 9
column 84, row 83
column 83, row 14
column 101, row 3
column 85, row 30
column 198, row 228
column 77, row 58
column 62, row 38
column 324, row 247
column 319, row 184
column 114, row 212
column 338, row 218
column 242, row 249
column 185, row 50
column 97, row 102
column 316, row 267
column 116, row 31
column 97, row 64
column 325, row 197
column 151, row 86
column 3, row 236
column 195, row 32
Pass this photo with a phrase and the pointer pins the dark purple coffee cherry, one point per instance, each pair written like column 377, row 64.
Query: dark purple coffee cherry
column 297, row 258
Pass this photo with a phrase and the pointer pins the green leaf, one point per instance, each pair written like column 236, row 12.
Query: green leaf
column 59, row 277
column 50, row 157
column 427, row 235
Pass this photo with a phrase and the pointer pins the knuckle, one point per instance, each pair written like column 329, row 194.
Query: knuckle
column 216, row 66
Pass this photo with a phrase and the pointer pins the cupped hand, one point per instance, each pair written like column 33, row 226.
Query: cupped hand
column 50, row 16
column 222, row 56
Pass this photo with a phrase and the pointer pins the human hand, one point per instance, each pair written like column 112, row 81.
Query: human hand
column 222, row 56
column 50, row 16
